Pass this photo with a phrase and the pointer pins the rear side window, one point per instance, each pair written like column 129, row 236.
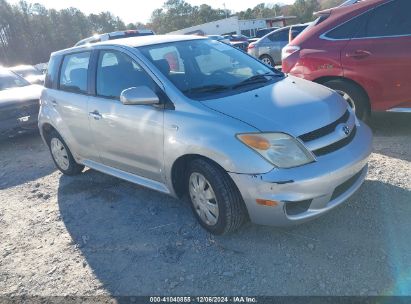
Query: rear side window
column 73, row 73
column 391, row 19
column 279, row 35
column 350, row 29
column 52, row 72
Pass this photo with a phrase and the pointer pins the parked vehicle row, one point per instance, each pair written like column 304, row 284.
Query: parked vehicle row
column 188, row 115
column 268, row 48
column 361, row 50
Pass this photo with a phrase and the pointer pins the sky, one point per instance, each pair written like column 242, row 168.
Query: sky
column 140, row 10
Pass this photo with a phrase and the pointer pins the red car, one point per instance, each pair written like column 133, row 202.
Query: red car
column 362, row 50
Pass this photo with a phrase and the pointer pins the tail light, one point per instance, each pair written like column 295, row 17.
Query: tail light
column 289, row 50
column 250, row 46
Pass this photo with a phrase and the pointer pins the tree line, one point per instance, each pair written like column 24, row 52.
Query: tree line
column 30, row 32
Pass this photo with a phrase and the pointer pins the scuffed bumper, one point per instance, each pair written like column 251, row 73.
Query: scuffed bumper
column 320, row 186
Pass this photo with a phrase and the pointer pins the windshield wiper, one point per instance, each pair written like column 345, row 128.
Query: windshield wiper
column 259, row 78
column 208, row 88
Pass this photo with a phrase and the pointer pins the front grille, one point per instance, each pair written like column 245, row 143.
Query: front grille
column 325, row 130
column 346, row 185
column 337, row 145
column 294, row 208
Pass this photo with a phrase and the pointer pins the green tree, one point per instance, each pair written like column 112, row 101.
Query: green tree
column 304, row 9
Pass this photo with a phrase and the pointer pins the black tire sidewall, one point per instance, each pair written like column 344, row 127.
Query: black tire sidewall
column 218, row 181
column 269, row 58
column 359, row 98
column 73, row 168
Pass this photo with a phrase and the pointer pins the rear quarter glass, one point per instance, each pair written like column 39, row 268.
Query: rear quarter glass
column 52, row 72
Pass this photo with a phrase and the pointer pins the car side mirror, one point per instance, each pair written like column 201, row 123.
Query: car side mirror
column 141, row 95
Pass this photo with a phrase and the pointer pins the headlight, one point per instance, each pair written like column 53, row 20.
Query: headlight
column 280, row 149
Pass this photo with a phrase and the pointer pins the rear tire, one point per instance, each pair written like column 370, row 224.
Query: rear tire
column 218, row 198
column 353, row 95
column 61, row 155
column 267, row 60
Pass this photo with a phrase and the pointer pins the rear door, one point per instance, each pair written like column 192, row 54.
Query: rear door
column 379, row 54
column 277, row 41
column 69, row 99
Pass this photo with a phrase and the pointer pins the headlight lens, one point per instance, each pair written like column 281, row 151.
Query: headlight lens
column 280, row 149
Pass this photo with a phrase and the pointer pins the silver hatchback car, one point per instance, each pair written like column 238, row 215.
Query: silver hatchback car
column 196, row 118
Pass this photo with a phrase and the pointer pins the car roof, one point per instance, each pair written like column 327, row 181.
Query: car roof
column 284, row 28
column 134, row 42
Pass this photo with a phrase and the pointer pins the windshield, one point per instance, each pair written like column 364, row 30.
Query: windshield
column 10, row 80
column 204, row 69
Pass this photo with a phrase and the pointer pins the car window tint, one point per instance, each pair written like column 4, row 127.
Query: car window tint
column 10, row 80
column 116, row 72
column 73, row 75
column 279, row 35
column 390, row 19
column 52, row 72
column 352, row 28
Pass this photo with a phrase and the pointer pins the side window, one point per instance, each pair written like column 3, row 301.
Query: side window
column 73, row 74
column 352, row 28
column 52, row 72
column 279, row 36
column 390, row 19
column 116, row 72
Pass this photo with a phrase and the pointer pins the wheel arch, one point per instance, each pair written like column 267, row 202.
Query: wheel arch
column 324, row 79
column 179, row 169
column 46, row 129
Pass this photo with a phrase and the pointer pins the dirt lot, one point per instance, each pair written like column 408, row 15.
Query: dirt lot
column 97, row 235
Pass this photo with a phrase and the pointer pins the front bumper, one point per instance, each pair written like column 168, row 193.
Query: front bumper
column 306, row 192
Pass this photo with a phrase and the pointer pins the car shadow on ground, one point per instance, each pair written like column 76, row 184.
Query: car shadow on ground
column 22, row 159
column 140, row 242
column 392, row 134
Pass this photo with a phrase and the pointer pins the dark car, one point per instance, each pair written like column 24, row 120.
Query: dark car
column 19, row 104
column 115, row 35
column 238, row 41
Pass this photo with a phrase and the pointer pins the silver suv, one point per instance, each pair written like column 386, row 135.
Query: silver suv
column 190, row 116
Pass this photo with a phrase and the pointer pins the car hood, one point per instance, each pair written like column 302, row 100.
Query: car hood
column 14, row 95
column 292, row 105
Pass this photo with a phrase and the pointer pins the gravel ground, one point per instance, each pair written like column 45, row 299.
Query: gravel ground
column 97, row 235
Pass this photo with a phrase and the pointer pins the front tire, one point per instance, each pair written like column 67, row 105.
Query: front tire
column 353, row 95
column 215, row 200
column 62, row 157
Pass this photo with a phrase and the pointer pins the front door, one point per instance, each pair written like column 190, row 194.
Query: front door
column 128, row 137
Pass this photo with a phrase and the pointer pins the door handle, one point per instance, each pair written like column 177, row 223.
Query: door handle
column 359, row 54
column 95, row 114
column 54, row 103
